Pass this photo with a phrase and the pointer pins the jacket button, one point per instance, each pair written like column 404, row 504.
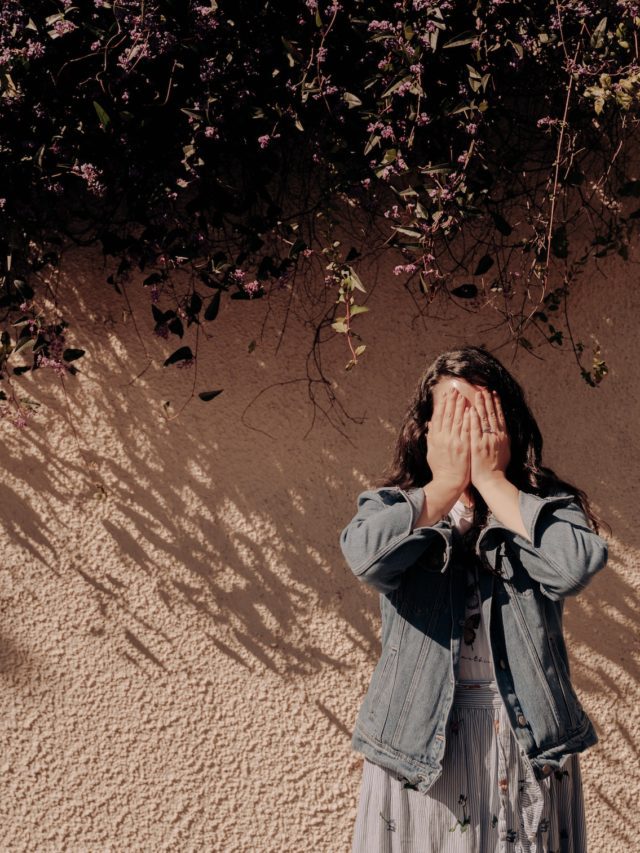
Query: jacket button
column 546, row 769
column 522, row 721
column 503, row 663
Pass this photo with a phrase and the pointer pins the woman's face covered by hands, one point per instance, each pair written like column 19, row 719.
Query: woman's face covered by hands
column 465, row 388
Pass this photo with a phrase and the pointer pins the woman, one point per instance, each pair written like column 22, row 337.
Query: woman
column 471, row 728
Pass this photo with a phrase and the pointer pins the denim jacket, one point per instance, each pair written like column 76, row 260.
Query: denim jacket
column 402, row 720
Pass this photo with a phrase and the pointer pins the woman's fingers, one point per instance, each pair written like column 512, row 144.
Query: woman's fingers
column 459, row 410
column 499, row 413
column 438, row 412
column 485, row 410
column 490, row 407
column 475, row 428
column 449, row 409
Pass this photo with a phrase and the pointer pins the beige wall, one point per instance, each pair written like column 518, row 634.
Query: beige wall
column 183, row 648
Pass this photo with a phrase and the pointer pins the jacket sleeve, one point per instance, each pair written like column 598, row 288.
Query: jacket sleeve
column 381, row 542
column 564, row 553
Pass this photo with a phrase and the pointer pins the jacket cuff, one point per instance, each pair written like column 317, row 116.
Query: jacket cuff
column 530, row 507
column 381, row 541
column 417, row 498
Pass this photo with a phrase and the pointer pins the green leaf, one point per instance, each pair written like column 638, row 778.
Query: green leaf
column 298, row 246
column 465, row 291
column 597, row 36
column 72, row 354
column 209, row 395
column 374, row 140
column 356, row 280
column 25, row 342
column 501, row 224
column 181, row 354
column 440, row 167
column 105, row 121
column 396, row 85
column 410, row 232
column 175, row 327
column 352, row 100
column 517, row 47
column 464, row 38
column 559, row 242
column 485, row 263
column 358, row 309
column 212, row 308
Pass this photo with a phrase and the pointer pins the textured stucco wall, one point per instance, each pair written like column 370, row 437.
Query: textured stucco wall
column 183, row 650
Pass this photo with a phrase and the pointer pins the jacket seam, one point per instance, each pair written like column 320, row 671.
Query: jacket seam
column 369, row 562
column 390, row 750
column 572, row 582
column 360, row 569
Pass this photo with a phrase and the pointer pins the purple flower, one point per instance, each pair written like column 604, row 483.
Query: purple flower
column 55, row 364
column 34, row 49
column 381, row 26
column 63, row 27
column 92, row 177
column 251, row 287
column 406, row 268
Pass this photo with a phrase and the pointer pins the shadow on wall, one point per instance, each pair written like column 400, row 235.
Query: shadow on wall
column 208, row 515
column 203, row 524
column 254, row 522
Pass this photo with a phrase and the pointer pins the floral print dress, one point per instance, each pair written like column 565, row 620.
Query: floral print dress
column 487, row 798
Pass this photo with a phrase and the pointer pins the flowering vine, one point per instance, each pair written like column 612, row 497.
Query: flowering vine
column 213, row 149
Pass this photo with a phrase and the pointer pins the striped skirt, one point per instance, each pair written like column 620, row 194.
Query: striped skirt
column 486, row 800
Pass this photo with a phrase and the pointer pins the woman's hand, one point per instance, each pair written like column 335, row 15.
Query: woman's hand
column 490, row 451
column 448, row 452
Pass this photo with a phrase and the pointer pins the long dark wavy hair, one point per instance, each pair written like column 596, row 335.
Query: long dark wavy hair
column 408, row 466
